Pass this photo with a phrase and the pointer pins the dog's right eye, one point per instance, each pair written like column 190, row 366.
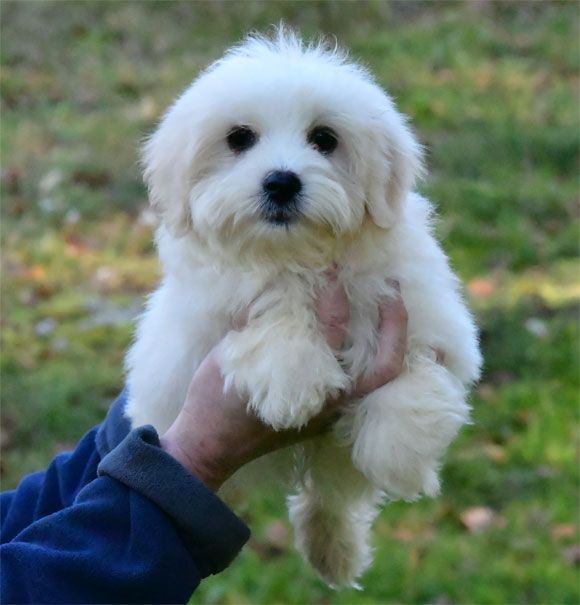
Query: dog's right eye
column 241, row 138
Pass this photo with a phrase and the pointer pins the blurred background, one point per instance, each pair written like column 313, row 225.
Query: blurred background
column 492, row 90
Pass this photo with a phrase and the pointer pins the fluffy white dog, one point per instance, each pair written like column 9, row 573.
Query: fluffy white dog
column 278, row 161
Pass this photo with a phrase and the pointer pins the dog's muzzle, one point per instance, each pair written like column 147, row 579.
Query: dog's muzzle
column 281, row 197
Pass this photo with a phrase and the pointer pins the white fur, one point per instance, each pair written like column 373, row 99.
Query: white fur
column 219, row 257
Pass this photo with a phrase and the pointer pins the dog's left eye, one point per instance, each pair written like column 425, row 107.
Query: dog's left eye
column 241, row 138
column 324, row 139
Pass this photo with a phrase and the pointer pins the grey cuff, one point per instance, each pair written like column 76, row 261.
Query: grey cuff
column 211, row 531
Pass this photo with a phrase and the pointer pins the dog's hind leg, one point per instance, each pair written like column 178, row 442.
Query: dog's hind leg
column 332, row 514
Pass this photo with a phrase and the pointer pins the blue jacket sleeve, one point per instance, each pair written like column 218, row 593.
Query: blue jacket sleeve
column 49, row 491
column 143, row 531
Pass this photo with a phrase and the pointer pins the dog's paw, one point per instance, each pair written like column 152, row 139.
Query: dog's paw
column 401, row 431
column 401, row 474
column 287, row 380
column 335, row 542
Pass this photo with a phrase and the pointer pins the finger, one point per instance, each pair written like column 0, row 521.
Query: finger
column 392, row 334
column 332, row 311
column 240, row 318
column 207, row 383
column 389, row 359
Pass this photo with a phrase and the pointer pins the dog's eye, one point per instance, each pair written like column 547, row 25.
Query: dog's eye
column 241, row 138
column 323, row 139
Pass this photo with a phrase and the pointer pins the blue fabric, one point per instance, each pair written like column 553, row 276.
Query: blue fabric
column 115, row 428
column 116, row 521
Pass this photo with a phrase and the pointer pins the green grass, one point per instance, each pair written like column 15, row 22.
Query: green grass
column 492, row 89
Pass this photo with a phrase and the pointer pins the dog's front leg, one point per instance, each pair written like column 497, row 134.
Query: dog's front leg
column 401, row 431
column 283, row 364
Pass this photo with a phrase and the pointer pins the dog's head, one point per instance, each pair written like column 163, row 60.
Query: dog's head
column 277, row 141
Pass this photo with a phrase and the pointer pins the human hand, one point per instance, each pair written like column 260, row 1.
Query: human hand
column 214, row 434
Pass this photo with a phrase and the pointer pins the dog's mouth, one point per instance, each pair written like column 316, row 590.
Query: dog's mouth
column 281, row 215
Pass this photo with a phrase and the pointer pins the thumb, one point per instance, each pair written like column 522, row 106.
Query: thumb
column 332, row 310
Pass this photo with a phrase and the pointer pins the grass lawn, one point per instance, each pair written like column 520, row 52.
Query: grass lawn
column 492, row 90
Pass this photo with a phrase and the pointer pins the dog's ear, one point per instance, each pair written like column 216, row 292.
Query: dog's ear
column 396, row 165
column 166, row 162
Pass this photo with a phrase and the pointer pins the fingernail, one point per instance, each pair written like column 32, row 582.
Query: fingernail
column 332, row 272
column 395, row 284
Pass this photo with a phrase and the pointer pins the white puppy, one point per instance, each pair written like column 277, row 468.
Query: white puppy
column 279, row 160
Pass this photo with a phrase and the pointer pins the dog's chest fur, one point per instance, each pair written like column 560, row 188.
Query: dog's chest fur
column 199, row 302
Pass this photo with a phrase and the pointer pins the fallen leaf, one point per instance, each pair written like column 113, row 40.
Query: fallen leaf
column 266, row 551
column 277, row 534
column 11, row 178
column 481, row 288
column 486, row 392
column 36, row 272
column 92, row 178
column 403, row 535
column 75, row 245
column 5, row 438
column 564, row 530
column 477, row 519
column 494, row 452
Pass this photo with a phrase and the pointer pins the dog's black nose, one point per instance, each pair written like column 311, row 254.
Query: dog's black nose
column 282, row 186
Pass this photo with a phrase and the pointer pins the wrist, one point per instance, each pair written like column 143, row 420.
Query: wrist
column 192, row 457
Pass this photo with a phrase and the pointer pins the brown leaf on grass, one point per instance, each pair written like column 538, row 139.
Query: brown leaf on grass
column 92, row 178
column 76, row 245
column 477, row 519
column 266, row 551
column 275, row 543
column 405, row 534
column 35, row 273
column 481, row 288
column 11, row 178
column 277, row 533
column 486, row 392
column 494, row 452
column 5, row 438
column 564, row 530
column 402, row 534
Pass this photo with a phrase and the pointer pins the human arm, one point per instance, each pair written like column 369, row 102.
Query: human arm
column 144, row 530
column 148, row 529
